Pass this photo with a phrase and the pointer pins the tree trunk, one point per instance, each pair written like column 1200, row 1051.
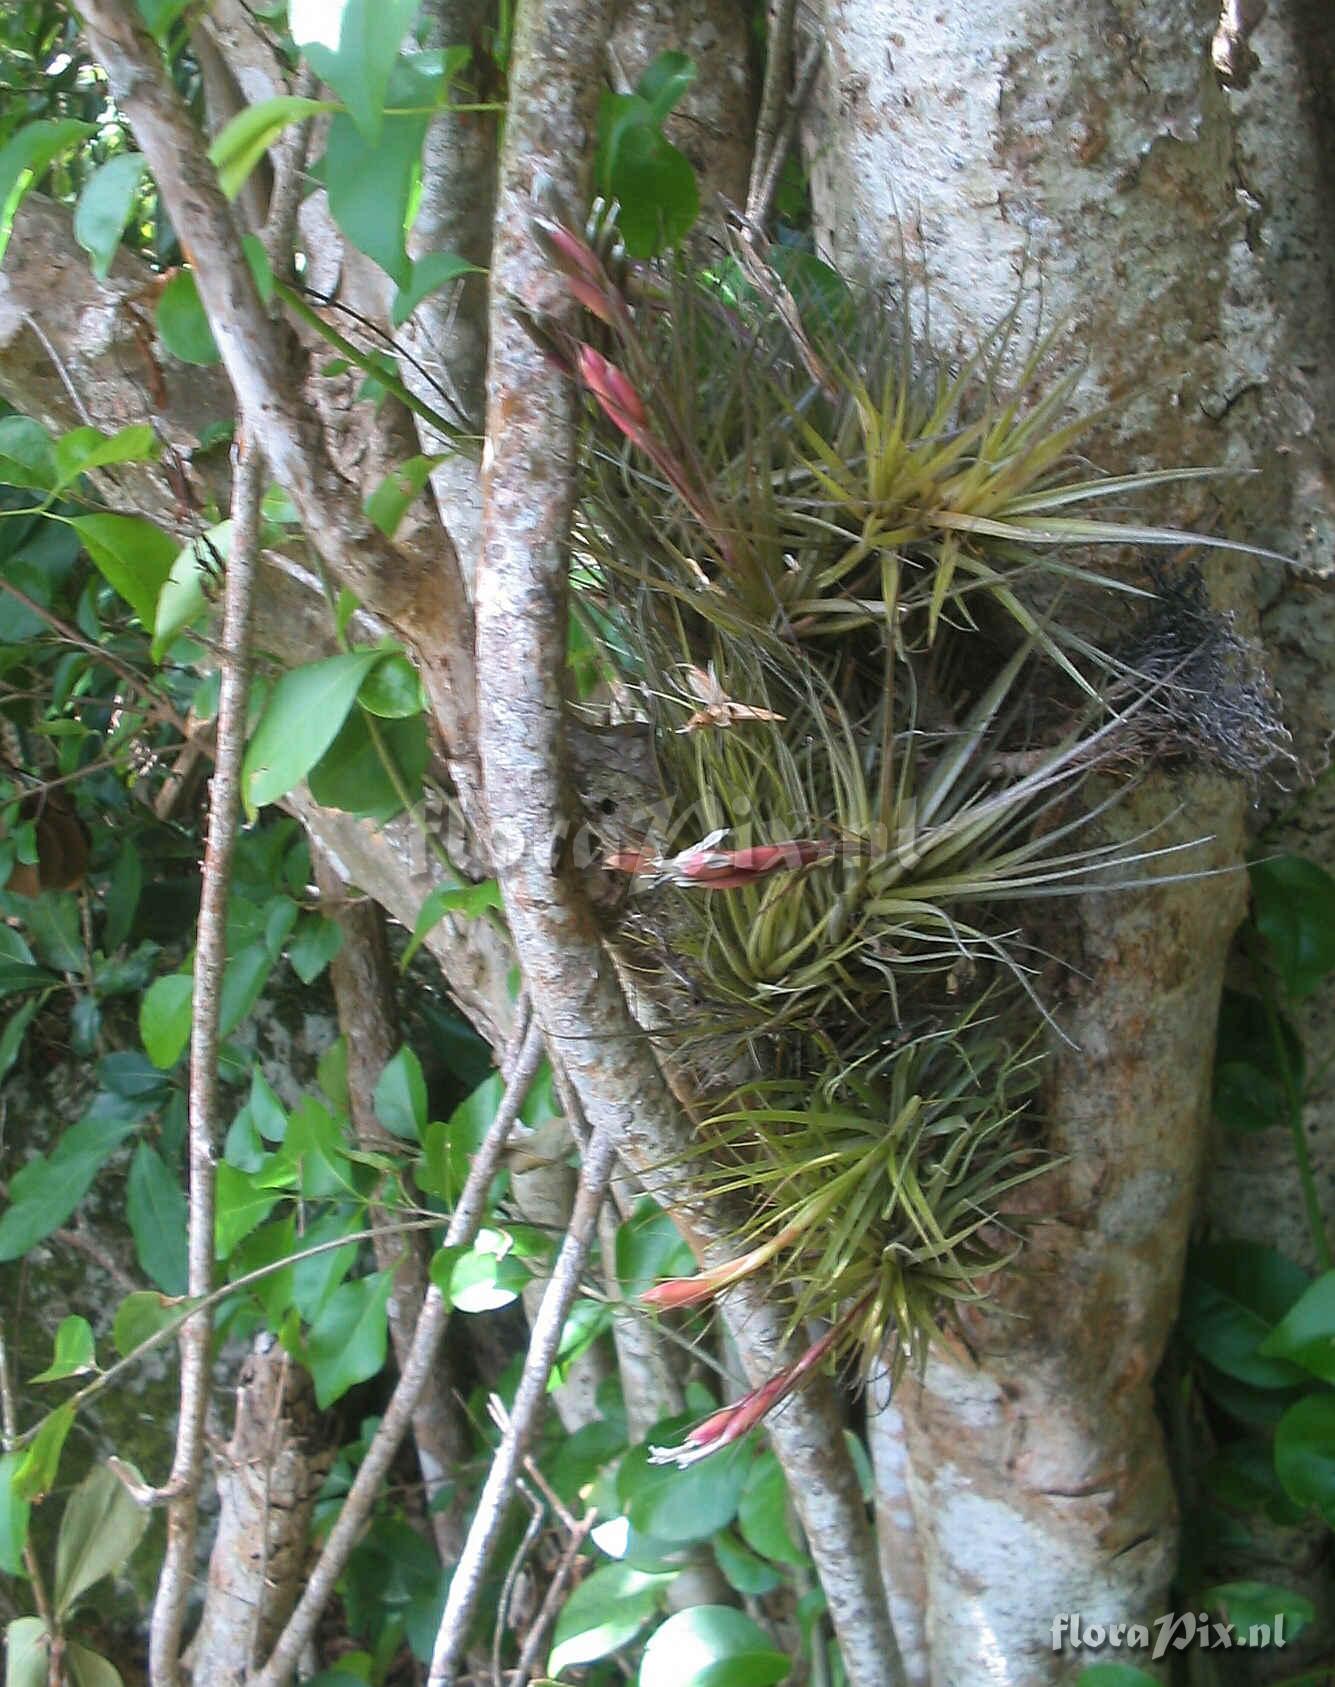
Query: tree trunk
column 1086, row 161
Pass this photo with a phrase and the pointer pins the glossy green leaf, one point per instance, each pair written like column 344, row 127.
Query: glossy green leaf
column 744, row 1570
column 106, row 204
column 156, row 1210
column 13, row 1517
column 241, row 1206
column 1235, row 1294
column 352, row 775
column 657, row 190
column 183, row 324
column 141, row 1315
column 664, row 82
column 316, row 1276
column 27, row 454
column 315, row 944
column 133, row 556
column 370, row 186
column 266, row 1109
column 26, row 156
column 488, row 1275
column 400, row 1096
column 183, row 599
column 347, row 1342
column 649, row 1248
column 36, row 1474
column 46, row 1189
column 74, row 1351
column 164, row 1018
column 244, row 978
column 90, row 1669
column 393, row 688
column 390, row 501
column 1293, row 906
column 426, row 276
column 352, row 45
column 711, row 1646
column 468, row 901
column 305, row 711
column 681, row 1505
column 160, row 15
column 1305, row 1454
column 241, row 143
column 27, row 1653
column 83, row 449
column 762, row 1513
column 605, row 1612
column 99, row 1530
column 271, row 1245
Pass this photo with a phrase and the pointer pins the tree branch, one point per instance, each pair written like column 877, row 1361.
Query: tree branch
column 530, row 1398
column 210, row 960
column 463, row 1227
column 527, row 503
column 428, row 606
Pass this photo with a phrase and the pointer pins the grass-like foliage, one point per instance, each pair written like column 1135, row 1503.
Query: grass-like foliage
column 852, row 588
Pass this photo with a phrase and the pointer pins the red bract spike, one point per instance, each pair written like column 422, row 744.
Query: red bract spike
column 612, row 390
column 594, row 300
column 571, row 255
column 726, row 869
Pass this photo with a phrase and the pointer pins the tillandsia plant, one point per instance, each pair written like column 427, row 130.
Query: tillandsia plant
column 844, row 585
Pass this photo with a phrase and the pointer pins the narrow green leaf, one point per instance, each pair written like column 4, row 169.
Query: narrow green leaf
column 36, row 1474
column 305, row 711
column 82, row 449
column 390, row 501
column 469, row 901
column 13, row 1517
column 99, row 1530
column 182, row 599
column 157, row 1214
column 240, row 144
column 426, row 276
column 74, row 1354
column 106, row 204
column 26, row 156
